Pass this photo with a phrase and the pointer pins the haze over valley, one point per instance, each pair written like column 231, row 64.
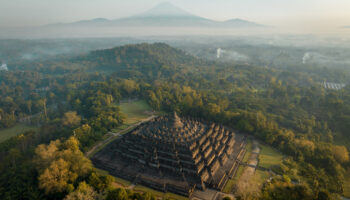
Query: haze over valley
column 176, row 100
column 165, row 18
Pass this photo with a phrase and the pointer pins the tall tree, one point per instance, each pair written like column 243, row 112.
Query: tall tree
column 71, row 119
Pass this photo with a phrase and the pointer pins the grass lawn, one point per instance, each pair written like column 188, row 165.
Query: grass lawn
column 13, row 131
column 239, row 173
column 119, row 128
column 229, row 186
column 261, row 176
column 120, row 181
column 232, row 182
column 249, row 148
column 135, row 111
column 140, row 188
column 123, row 182
column 269, row 157
column 347, row 184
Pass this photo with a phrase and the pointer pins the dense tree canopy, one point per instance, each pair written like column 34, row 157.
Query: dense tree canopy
column 76, row 104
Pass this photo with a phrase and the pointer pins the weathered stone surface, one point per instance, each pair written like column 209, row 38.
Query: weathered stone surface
column 172, row 154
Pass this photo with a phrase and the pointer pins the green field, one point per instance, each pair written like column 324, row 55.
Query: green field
column 232, row 182
column 347, row 184
column 135, row 111
column 120, row 181
column 13, row 131
column 249, row 148
column 261, row 176
column 229, row 186
column 269, row 157
column 140, row 188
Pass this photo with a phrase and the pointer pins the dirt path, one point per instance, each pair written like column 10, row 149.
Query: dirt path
column 244, row 183
column 114, row 135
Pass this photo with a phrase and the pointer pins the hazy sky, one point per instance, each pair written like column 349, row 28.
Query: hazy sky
column 271, row 12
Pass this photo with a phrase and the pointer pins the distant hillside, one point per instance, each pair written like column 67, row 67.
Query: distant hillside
column 141, row 57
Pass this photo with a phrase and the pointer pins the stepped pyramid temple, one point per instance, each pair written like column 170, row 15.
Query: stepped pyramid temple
column 175, row 155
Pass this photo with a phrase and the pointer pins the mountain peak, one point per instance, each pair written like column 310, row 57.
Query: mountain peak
column 166, row 9
column 163, row 15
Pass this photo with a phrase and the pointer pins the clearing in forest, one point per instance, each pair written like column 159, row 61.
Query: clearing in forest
column 7, row 133
column 269, row 157
column 135, row 111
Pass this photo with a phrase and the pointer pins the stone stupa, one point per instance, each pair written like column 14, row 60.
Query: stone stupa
column 172, row 154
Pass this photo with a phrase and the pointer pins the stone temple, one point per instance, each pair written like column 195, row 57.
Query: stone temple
column 175, row 155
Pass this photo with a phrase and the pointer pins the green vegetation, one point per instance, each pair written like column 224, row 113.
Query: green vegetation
column 135, row 111
column 261, row 176
column 125, row 194
column 108, row 138
column 101, row 145
column 15, row 130
column 232, row 182
column 347, row 184
column 121, row 181
column 140, row 188
column 269, row 157
column 101, row 171
column 286, row 108
column 229, row 186
column 249, row 148
column 118, row 180
column 119, row 128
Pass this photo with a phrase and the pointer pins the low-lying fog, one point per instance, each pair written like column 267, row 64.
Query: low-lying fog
column 84, row 32
column 276, row 51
